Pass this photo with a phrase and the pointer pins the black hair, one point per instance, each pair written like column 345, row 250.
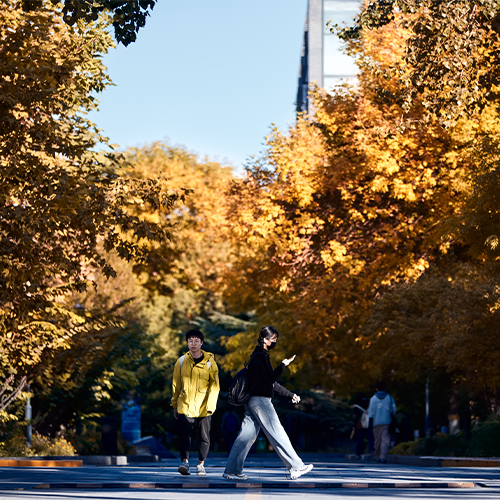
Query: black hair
column 380, row 386
column 196, row 334
column 266, row 333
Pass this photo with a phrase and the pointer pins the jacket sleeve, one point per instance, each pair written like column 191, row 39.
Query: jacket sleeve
column 281, row 391
column 213, row 388
column 176, row 384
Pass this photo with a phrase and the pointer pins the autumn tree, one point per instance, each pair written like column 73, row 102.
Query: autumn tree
column 339, row 210
column 182, row 279
column 363, row 228
column 444, row 322
column 450, row 62
column 127, row 16
column 62, row 201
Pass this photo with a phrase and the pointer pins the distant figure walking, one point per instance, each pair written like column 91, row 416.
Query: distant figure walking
column 380, row 411
column 260, row 412
column 195, row 389
column 230, row 425
column 361, row 425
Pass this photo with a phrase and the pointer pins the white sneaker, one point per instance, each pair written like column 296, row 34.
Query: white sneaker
column 235, row 477
column 184, row 469
column 200, row 470
column 295, row 474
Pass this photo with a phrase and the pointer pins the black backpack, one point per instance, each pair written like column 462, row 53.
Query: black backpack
column 239, row 392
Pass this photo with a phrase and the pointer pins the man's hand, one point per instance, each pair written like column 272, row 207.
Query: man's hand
column 176, row 414
column 286, row 362
column 296, row 398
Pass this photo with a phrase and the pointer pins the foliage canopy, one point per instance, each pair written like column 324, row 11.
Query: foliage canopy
column 61, row 200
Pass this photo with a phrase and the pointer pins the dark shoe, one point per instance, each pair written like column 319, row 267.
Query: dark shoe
column 357, row 457
column 382, row 461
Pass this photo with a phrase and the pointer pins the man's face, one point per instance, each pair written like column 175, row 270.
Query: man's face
column 194, row 345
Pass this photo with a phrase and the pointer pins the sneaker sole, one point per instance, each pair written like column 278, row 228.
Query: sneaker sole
column 293, row 478
column 184, row 471
column 234, row 478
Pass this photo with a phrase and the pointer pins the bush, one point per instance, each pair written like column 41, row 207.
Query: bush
column 13, row 441
column 89, row 442
column 45, row 446
column 484, row 442
column 443, row 445
column 485, row 439
column 406, row 448
column 14, row 444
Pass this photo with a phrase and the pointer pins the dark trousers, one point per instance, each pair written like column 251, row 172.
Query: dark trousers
column 360, row 440
column 186, row 425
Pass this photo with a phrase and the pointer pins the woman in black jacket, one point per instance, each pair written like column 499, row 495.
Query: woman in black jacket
column 260, row 412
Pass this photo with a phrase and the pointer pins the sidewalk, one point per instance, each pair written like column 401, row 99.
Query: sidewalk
column 432, row 461
column 265, row 471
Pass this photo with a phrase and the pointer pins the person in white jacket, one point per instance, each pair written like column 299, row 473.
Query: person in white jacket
column 380, row 411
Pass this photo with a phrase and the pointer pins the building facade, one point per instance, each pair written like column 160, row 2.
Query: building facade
column 322, row 61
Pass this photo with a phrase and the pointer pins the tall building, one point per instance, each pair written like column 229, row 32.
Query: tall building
column 322, row 61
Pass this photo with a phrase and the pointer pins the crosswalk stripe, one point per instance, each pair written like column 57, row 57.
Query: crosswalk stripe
column 253, row 495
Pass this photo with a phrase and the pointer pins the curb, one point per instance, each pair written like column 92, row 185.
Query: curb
column 443, row 461
column 41, row 463
column 60, row 461
column 229, row 485
column 422, row 461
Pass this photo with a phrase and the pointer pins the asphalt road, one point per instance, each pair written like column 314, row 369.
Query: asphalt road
column 331, row 477
column 214, row 494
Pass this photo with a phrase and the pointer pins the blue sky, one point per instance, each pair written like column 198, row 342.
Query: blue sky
column 210, row 75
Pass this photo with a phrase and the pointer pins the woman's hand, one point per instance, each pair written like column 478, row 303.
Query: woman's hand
column 286, row 362
column 296, row 399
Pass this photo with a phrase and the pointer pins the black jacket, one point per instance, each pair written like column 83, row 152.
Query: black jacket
column 263, row 378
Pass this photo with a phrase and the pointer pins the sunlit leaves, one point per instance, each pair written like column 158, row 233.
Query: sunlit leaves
column 451, row 57
column 61, row 200
column 339, row 210
column 128, row 16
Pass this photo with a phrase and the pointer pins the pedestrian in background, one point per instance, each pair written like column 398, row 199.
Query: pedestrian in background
column 195, row 389
column 380, row 411
column 260, row 412
column 361, row 425
column 230, row 426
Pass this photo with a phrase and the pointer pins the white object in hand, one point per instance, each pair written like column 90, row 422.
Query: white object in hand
column 296, row 398
column 286, row 362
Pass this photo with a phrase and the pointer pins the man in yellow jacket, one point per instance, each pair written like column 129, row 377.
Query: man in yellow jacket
column 195, row 389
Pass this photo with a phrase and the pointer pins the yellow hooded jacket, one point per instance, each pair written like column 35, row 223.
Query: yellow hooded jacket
column 195, row 388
